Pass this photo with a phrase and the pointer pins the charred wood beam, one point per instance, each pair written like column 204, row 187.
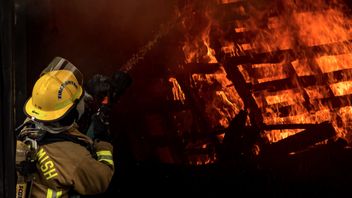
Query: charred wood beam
column 330, row 78
column 285, row 111
column 291, row 72
column 244, row 91
column 257, row 58
column 335, row 48
column 336, row 102
column 300, row 141
column 210, row 136
column 322, row 77
column 274, row 86
column 333, row 103
column 287, row 126
column 305, row 81
column 271, row 71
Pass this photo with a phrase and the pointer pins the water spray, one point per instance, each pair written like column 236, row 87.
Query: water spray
column 141, row 53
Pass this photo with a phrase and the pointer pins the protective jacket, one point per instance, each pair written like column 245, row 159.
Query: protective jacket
column 66, row 166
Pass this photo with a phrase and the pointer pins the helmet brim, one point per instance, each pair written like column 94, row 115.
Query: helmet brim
column 48, row 116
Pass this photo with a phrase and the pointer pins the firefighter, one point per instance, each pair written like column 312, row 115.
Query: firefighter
column 67, row 162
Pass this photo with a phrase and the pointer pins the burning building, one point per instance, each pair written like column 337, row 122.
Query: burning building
column 284, row 62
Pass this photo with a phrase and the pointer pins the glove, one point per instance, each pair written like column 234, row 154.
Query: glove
column 99, row 86
column 120, row 82
column 100, row 125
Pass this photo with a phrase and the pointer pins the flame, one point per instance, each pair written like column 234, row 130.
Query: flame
column 317, row 92
column 229, row 48
column 342, row 88
column 178, row 94
column 287, row 97
column 299, row 26
column 302, row 68
column 269, row 72
column 317, row 28
column 277, row 135
column 314, row 38
column 222, row 101
column 334, row 63
column 214, row 93
column 292, row 27
column 197, row 29
column 344, row 128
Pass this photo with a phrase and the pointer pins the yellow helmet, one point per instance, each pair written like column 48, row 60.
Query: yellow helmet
column 56, row 92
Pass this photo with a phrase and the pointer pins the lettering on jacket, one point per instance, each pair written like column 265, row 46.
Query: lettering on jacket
column 46, row 165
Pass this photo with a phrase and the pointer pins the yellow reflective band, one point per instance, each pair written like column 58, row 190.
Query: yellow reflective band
column 67, row 102
column 49, row 194
column 110, row 162
column 107, row 159
column 104, row 153
column 58, row 194
column 53, row 194
column 105, row 156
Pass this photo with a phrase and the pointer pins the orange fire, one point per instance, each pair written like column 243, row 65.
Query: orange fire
column 178, row 94
column 300, row 26
column 316, row 63
column 223, row 102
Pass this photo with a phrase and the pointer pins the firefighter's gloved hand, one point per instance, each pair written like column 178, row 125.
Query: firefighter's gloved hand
column 99, row 86
column 101, row 124
column 120, row 82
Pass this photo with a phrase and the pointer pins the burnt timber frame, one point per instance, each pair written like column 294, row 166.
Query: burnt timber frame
column 246, row 58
